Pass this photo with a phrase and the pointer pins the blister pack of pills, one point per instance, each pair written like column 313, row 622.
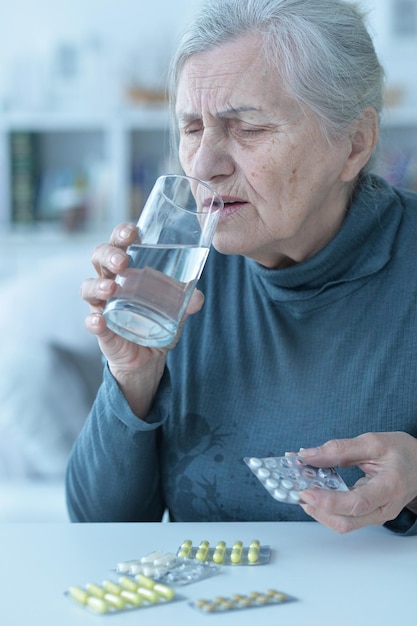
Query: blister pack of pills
column 239, row 601
column 154, row 564
column 285, row 477
column 221, row 554
column 167, row 567
column 125, row 595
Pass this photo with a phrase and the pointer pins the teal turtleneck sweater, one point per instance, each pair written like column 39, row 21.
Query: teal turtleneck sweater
column 275, row 361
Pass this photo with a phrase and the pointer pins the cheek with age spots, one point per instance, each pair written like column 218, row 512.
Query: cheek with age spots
column 294, row 176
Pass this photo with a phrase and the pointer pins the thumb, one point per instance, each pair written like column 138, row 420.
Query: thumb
column 194, row 306
column 196, row 303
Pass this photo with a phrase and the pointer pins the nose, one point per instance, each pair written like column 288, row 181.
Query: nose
column 212, row 158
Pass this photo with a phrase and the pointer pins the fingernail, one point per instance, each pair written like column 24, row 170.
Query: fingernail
column 117, row 260
column 95, row 319
column 308, row 453
column 125, row 233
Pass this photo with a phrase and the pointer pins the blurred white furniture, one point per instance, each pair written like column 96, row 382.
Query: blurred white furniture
column 32, row 501
column 49, row 371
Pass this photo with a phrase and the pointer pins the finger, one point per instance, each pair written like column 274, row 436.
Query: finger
column 195, row 304
column 343, row 524
column 96, row 291
column 110, row 344
column 345, row 452
column 96, row 324
column 124, row 235
column 372, row 499
column 109, row 260
column 342, row 512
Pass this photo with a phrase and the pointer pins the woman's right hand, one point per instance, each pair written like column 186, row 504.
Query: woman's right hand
column 137, row 369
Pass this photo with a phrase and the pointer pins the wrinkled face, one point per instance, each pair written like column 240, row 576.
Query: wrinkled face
column 284, row 187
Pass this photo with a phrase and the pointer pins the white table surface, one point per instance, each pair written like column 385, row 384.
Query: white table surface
column 365, row 578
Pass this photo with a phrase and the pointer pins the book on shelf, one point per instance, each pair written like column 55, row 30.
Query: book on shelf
column 24, row 176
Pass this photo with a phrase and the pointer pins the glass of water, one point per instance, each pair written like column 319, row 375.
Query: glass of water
column 175, row 231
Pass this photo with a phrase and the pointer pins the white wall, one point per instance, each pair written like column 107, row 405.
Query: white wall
column 117, row 39
column 394, row 27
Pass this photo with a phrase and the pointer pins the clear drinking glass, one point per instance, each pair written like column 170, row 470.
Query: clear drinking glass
column 175, row 231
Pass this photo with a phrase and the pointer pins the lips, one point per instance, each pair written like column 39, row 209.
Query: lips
column 231, row 205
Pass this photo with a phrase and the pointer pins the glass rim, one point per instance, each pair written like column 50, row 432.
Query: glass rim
column 219, row 203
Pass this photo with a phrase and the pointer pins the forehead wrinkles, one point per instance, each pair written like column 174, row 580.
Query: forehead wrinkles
column 231, row 69
column 230, row 86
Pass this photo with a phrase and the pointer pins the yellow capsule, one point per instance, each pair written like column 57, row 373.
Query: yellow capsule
column 277, row 595
column 145, row 581
column 219, row 551
column 115, row 601
column 202, row 551
column 253, row 554
column 148, row 594
column 219, row 599
column 228, row 605
column 111, row 587
column 78, row 594
column 263, row 599
column 184, row 551
column 184, row 554
column 128, row 584
column 254, row 543
column 131, row 597
column 95, row 590
column 237, row 597
column 236, row 554
column 99, row 605
column 218, row 556
column 163, row 590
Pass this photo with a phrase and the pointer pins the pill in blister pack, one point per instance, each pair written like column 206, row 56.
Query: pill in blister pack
column 221, row 554
column 239, row 601
column 124, row 595
column 154, row 564
column 168, row 568
column 286, row 476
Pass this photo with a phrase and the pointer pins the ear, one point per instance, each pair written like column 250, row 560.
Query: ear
column 363, row 137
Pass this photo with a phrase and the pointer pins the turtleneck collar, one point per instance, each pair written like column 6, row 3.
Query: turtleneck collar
column 360, row 248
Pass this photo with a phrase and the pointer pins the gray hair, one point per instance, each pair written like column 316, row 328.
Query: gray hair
column 320, row 50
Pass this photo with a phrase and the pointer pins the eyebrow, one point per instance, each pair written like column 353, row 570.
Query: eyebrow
column 229, row 112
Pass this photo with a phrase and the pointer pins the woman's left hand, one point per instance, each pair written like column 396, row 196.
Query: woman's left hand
column 389, row 461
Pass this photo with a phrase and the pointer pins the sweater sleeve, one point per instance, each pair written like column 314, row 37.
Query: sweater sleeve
column 113, row 469
column 405, row 524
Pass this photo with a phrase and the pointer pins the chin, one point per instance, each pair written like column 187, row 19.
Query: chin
column 227, row 244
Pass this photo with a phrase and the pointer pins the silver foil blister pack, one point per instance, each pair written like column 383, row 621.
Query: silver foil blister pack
column 285, row 477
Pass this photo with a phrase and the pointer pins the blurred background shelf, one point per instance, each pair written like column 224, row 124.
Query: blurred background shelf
column 79, row 171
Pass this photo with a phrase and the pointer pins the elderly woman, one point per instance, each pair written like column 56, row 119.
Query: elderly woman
column 307, row 340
